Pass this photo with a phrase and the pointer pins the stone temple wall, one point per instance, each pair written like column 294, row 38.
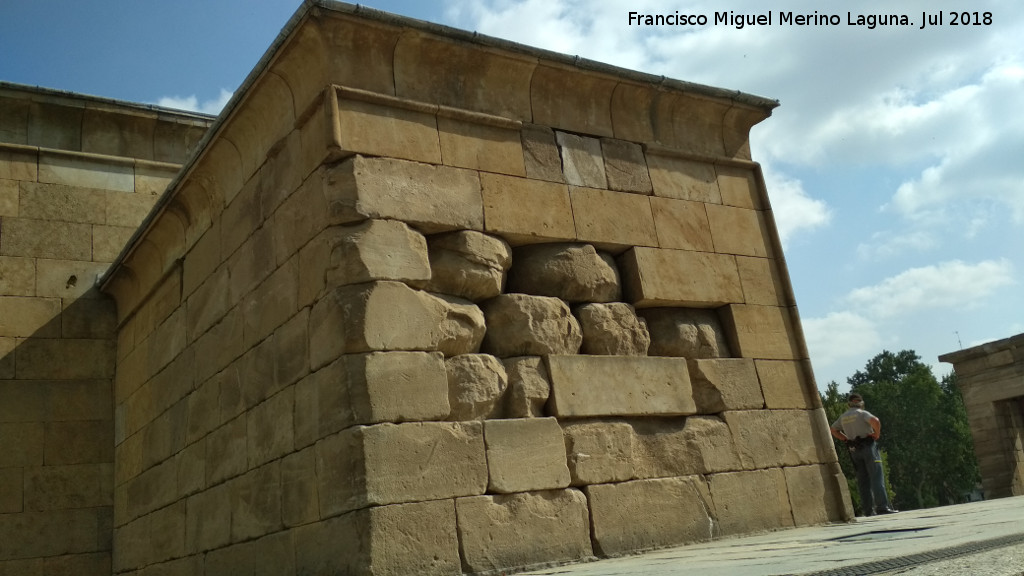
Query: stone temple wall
column 431, row 303
column 77, row 176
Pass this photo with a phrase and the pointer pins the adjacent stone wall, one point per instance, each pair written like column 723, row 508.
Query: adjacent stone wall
column 991, row 379
column 428, row 303
column 77, row 175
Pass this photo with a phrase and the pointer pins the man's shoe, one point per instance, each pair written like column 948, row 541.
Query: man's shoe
column 886, row 511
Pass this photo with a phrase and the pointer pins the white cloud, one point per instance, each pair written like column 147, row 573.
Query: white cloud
column 886, row 244
column 952, row 284
column 840, row 336
column 793, row 208
column 192, row 103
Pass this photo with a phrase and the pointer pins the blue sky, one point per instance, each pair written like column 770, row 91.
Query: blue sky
column 895, row 163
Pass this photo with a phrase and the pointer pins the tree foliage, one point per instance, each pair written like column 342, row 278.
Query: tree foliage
column 925, row 434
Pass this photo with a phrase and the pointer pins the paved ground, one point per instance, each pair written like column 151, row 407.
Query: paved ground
column 981, row 538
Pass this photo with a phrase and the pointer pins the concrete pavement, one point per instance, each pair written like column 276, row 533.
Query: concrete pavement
column 950, row 540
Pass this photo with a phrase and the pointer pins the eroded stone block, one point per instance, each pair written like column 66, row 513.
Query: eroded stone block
column 528, row 386
column 541, row 153
column 377, row 250
column 525, row 454
column 599, row 452
column 468, row 264
column 572, row 272
column 613, row 329
column 625, row 166
column 677, row 447
column 761, row 332
column 582, row 161
column 584, row 386
column 683, row 179
column 751, row 501
column 520, row 324
column 772, row 438
column 721, row 384
column 476, row 383
column 783, row 384
column 685, row 332
column 812, row 495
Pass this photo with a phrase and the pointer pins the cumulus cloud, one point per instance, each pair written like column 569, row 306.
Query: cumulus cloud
column 952, row 284
column 793, row 208
column 840, row 336
column 192, row 103
column 887, row 244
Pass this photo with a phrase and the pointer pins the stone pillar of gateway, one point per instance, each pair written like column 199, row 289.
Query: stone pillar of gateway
column 427, row 302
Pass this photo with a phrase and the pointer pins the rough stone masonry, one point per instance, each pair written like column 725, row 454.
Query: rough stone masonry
column 427, row 302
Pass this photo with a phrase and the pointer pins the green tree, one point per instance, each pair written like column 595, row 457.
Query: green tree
column 924, row 429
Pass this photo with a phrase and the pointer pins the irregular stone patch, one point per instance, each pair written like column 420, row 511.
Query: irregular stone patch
column 476, row 383
column 524, row 325
column 468, row 264
column 570, row 271
column 613, row 329
column 528, row 387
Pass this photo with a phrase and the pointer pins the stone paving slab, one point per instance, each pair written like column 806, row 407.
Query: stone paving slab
column 824, row 549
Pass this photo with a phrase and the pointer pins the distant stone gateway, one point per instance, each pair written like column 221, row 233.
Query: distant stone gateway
column 419, row 301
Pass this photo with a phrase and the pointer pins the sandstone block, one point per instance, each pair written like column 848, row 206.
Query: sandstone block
column 541, row 153
column 378, row 130
column 784, row 384
column 19, row 165
column 572, row 99
column 480, row 146
column 764, row 332
column 738, row 231
column 676, row 447
column 7, row 346
column 24, row 317
column 613, row 330
column 584, row 386
column 64, row 487
column 396, row 463
column 269, row 428
column 812, row 494
column 625, row 166
column 271, row 304
column 721, row 384
column 613, row 218
column 94, row 359
column 61, row 203
column 89, row 318
column 417, row 538
column 226, row 451
column 519, row 530
column 653, row 277
column 476, row 383
column 68, row 278
column 599, row 452
column 432, row 198
column 761, row 281
column 468, row 264
column 682, row 224
column 87, row 172
column 673, row 511
column 208, row 519
column 528, row 386
column 299, row 501
column 8, row 197
column 17, row 276
column 685, row 332
column 683, row 179
column 520, row 324
column 301, row 216
column 751, row 501
column 377, row 250
column 772, row 438
column 45, row 239
column 78, row 441
column 12, row 483
column 510, row 209
column 739, row 187
column 572, row 272
column 256, row 502
column 391, row 316
column 525, row 454
column 582, row 161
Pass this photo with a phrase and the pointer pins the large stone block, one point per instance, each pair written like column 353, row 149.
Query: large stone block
column 62, row 203
column 381, row 316
column 377, row 250
column 613, row 329
column 520, row 324
column 208, row 519
column 738, row 231
column 86, row 171
column 625, row 166
column 599, row 452
column 12, row 484
column 476, row 383
column 676, row 447
column 764, row 332
column 468, row 264
column 683, row 179
column 78, row 441
column 432, row 198
column 519, row 530
column 751, row 501
column 761, row 281
column 396, row 463
column 17, row 276
column 45, row 239
column 541, row 153
column 528, row 386
column 653, row 277
column 685, row 332
column 784, row 384
column 682, row 224
column 525, row 454
column 64, row 487
column 477, row 146
column 94, row 359
column 584, row 386
column 576, row 100
column 8, row 197
column 256, row 502
column 582, row 161
column 19, row 165
column 300, row 503
column 273, row 302
column 772, row 438
column 269, row 428
column 510, row 209
column 721, row 384
column 572, row 272
column 646, row 514
column 377, row 130
column 814, row 495
column 24, row 317
column 607, row 217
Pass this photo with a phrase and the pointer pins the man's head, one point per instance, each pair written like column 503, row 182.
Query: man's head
column 855, row 400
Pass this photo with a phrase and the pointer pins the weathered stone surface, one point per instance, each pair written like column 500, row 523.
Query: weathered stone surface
column 525, row 454
column 685, row 332
column 528, row 386
column 520, row 324
column 761, row 281
column 582, row 162
column 676, row 447
column 751, row 501
column 599, row 452
column 619, row 386
column 721, row 384
column 625, row 166
column 476, row 383
column 738, row 231
column 468, row 264
column 613, row 329
column 516, row 530
column 646, row 514
column 381, row 316
column 510, row 209
column 541, row 153
column 657, row 277
column 784, row 385
column 771, row 438
column 683, row 179
column 377, row 250
column 616, row 219
column 376, row 130
column 682, row 224
column 480, row 146
column 761, row 332
column 811, row 497
column 432, row 198
column 572, row 272
column 396, row 463
column 739, row 187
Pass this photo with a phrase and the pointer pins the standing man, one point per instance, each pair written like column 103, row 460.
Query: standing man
column 859, row 429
